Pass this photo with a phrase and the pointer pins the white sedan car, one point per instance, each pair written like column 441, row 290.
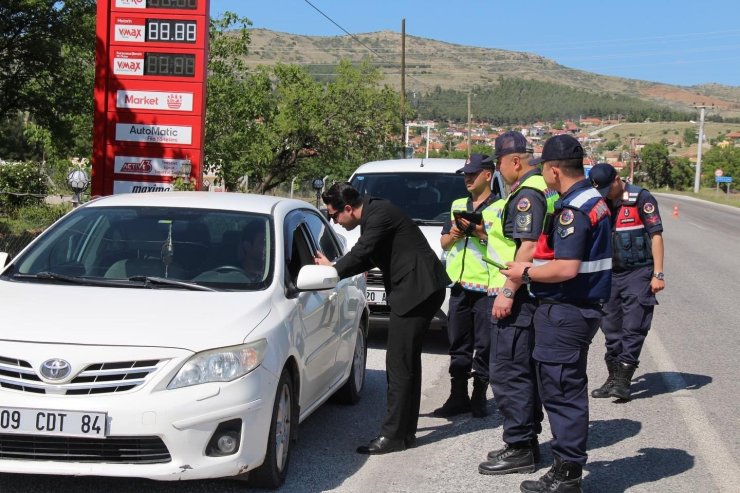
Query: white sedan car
column 174, row 336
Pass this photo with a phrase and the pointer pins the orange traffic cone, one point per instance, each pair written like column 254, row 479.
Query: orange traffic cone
column 675, row 210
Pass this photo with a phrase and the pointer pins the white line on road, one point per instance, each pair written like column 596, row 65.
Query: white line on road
column 699, row 226
column 714, row 453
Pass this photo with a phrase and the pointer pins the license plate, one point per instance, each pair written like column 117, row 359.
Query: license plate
column 52, row 422
column 375, row 296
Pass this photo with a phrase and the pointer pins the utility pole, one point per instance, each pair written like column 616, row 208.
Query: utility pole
column 403, row 72
column 697, row 176
column 469, row 127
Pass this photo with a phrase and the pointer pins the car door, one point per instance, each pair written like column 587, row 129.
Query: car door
column 315, row 315
column 349, row 293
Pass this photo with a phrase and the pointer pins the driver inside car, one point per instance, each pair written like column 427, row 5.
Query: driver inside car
column 251, row 252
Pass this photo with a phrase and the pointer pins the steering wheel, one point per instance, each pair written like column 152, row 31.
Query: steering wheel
column 225, row 269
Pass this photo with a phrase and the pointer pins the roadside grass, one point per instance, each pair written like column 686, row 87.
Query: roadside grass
column 711, row 195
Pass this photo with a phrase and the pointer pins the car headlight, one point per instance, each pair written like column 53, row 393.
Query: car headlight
column 220, row 365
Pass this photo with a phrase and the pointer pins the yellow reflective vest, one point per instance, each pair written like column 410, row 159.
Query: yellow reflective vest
column 501, row 248
column 464, row 260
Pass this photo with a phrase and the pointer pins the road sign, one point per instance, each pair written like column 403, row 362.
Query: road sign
column 723, row 179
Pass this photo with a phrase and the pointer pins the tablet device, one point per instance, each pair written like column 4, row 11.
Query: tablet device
column 472, row 217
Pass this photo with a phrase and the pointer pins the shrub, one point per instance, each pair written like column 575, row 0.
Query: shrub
column 21, row 183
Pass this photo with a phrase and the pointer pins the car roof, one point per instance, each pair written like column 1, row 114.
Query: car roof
column 414, row 165
column 264, row 204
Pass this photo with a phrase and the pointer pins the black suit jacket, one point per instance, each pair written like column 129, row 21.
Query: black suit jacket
column 392, row 242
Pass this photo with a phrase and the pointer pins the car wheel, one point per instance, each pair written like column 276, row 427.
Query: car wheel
column 271, row 474
column 351, row 391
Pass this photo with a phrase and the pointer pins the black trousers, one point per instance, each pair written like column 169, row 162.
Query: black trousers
column 514, row 374
column 469, row 331
column 403, row 366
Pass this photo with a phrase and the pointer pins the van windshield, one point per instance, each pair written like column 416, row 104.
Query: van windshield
column 423, row 196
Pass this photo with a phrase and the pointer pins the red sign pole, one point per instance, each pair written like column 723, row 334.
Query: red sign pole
column 150, row 94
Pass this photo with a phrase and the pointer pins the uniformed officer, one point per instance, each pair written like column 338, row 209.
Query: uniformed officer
column 637, row 275
column 514, row 224
column 470, row 307
column 571, row 277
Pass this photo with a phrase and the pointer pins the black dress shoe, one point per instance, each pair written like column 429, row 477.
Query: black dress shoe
column 382, row 445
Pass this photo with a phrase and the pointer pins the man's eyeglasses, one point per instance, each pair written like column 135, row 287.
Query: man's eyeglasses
column 333, row 215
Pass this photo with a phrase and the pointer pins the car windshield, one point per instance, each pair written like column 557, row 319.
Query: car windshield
column 154, row 247
column 423, row 196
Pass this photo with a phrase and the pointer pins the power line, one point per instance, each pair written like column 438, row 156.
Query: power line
column 340, row 27
column 354, row 37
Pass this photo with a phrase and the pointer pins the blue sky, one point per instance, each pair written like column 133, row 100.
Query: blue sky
column 673, row 41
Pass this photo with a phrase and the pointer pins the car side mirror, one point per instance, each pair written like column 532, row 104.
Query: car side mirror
column 317, row 278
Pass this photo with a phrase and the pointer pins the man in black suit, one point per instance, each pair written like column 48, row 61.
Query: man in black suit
column 415, row 283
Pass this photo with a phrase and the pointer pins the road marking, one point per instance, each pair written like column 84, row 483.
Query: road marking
column 720, row 462
column 699, row 226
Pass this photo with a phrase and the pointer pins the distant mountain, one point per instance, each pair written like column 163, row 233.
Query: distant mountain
column 431, row 64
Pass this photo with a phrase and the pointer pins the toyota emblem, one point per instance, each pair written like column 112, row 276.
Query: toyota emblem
column 55, row 369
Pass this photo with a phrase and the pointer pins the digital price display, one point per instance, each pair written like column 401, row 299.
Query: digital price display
column 169, row 64
column 171, row 31
column 172, row 4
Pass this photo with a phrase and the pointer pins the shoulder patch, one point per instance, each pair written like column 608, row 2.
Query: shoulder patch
column 524, row 223
column 565, row 232
column 523, row 205
column 648, row 208
column 566, row 217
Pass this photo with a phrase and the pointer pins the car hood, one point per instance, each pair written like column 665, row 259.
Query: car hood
column 431, row 233
column 193, row 320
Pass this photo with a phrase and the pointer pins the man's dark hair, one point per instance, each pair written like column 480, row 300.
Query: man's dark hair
column 570, row 167
column 340, row 194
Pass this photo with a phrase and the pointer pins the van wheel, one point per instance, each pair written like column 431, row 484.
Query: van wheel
column 271, row 474
column 351, row 391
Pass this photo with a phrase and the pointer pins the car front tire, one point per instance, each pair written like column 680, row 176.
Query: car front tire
column 351, row 391
column 271, row 474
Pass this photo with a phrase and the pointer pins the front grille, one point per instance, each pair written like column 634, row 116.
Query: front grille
column 98, row 378
column 116, row 450
column 375, row 277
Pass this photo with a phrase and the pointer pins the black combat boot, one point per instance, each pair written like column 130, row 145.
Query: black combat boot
column 603, row 391
column 513, row 458
column 458, row 402
column 533, row 443
column 479, row 401
column 563, row 477
column 622, row 380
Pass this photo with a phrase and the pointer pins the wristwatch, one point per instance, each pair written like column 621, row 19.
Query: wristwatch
column 508, row 293
column 659, row 276
column 525, row 276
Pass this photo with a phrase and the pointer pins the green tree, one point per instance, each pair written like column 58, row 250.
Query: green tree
column 46, row 55
column 280, row 122
column 682, row 174
column 656, row 167
column 725, row 158
column 690, row 137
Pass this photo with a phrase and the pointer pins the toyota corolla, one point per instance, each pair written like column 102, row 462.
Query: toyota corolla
column 174, row 336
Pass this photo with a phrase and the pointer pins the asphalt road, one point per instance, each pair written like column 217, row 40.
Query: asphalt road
column 680, row 433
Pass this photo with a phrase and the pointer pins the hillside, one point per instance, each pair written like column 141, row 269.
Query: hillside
column 431, row 64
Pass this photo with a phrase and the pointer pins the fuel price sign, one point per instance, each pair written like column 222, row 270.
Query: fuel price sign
column 150, row 94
